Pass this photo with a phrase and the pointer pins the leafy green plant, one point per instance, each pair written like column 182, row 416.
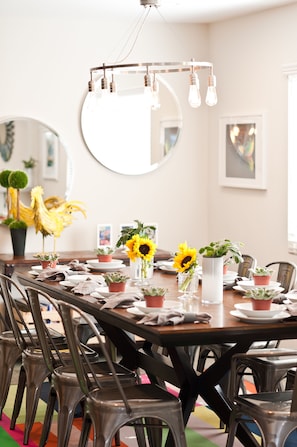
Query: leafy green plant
column 261, row 271
column 141, row 229
column 115, row 277
column 262, row 293
column 17, row 180
column 47, row 256
column 222, row 248
column 154, row 291
column 4, row 183
column 104, row 251
column 31, row 163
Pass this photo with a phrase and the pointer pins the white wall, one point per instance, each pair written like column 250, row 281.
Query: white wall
column 44, row 75
column 249, row 54
column 44, row 72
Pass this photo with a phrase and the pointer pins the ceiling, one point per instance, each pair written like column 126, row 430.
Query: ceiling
column 197, row 11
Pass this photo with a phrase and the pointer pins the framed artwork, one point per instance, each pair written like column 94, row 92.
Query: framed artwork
column 104, row 232
column 50, row 156
column 241, row 152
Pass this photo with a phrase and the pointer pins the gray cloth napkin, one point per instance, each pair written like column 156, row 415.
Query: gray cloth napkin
column 52, row 275
column 173, row 318
column 120, row 300
column 292, row 309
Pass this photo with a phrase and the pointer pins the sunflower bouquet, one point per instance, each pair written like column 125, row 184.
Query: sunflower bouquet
column 185, row 261
column 141, row 248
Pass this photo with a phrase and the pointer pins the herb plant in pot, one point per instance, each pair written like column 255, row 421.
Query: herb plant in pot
column 47, row 259
column 104, row 254
column 116, row 281
column 261, row 276
column 261, row 297
column 212, row 268
column 154, row 296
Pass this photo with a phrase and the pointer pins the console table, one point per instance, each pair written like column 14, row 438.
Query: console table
column 8, row 262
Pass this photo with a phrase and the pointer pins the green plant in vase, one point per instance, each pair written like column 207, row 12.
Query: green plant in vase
column 104, row 254
column 185, row 262
column 141, row 249
column 154, row 296
column 116, row 281
column 261, row 297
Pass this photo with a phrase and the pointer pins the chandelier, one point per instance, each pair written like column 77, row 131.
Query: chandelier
column 108, row 73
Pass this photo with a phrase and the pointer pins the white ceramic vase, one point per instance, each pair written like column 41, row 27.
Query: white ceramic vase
column 212, row 280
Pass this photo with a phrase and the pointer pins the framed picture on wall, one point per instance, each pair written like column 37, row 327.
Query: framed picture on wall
column 50, row 156
column 241, row 152
column 104, row 238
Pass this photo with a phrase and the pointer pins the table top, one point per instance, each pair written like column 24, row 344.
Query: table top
column 28, row 258
column 222, row 327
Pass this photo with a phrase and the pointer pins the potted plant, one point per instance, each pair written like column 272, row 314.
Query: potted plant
column 142, row 230
column 104, row 254
column 47, row 259
column 261, row 297
column 116, row 281
column 213, row 266
column 154, row 296
column 261, row 275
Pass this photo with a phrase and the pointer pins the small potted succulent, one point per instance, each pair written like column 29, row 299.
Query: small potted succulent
column 154, row 296
column 261, row 276
column 104, row 254
column 261, row 297
column 116, row 281
column 47, row 259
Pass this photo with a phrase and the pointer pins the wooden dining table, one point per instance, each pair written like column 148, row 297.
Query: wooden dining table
column 174, row 364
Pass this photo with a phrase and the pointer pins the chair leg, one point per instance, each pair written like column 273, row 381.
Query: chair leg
column 52, row 399
column 19, row 397
column 85, row 431
column 9, row 356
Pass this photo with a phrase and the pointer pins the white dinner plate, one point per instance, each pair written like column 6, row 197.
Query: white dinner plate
column 168, row 305
column 135, row 311
column 247, row 309
column 247, row 285
column 105, row 292
column 166, row 269
column 229, row 276
column 75, row 279
column 292, row 295
column 96, row 264
column 240, row 316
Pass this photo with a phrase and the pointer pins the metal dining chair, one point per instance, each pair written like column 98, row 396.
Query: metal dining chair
column 275, row 413
column 110, row 409
column 65, row 389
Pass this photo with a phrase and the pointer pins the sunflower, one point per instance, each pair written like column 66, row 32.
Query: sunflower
column 140, row 247
column 185, row 259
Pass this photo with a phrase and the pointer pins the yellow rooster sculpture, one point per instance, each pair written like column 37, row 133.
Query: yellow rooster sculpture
column 49, row 216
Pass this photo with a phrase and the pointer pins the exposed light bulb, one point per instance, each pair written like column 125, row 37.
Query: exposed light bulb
column 211, row 95
column 113, row 87
column 194, row 97
column 104, row 86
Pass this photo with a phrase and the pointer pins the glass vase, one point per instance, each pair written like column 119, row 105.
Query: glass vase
column 188, row 285
column 141, row 271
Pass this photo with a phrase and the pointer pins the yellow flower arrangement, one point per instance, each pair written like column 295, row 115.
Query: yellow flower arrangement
column 143, row 248
column 185, row 261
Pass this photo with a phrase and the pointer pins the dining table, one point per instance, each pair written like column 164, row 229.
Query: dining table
column 172, row 363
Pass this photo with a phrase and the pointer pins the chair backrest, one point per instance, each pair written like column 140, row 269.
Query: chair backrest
column 43, row 307
column 87, row 378
column 285, row 273
column 18, row 311
column 249, row 262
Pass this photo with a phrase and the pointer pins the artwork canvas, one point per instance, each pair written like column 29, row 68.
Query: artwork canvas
column 104, row 235
column 241, row 154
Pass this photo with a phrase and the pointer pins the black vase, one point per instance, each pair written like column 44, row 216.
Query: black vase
column 18, row 239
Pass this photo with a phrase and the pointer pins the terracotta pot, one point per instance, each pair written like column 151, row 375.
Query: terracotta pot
column 261, row 304
column 225, row 269
column 154, row 301
column 46, row 264
column 117, row 287
column 261, row 280
column 104, row 258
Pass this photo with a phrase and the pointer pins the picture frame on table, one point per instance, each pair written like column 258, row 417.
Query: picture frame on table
column 50, row 156
column 241, row 152
column 104, row 235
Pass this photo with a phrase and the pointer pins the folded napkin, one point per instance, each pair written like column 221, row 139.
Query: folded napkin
column 85, row 287
column 76, row 266
column 120, row 300
column 52, row 275
column 292, row 309
column 173, row 318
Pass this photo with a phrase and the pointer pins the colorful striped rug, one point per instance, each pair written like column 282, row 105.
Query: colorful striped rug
column 202, row 428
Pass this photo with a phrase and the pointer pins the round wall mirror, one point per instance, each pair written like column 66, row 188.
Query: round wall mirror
column 31, row 146
column 131, row 132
